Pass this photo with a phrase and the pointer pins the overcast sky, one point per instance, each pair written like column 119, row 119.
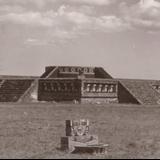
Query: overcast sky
column 123, row 36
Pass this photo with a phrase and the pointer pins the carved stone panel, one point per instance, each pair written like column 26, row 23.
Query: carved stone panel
column 77, row 127
column 59, row 90
column 99, row 88
column 85, row 70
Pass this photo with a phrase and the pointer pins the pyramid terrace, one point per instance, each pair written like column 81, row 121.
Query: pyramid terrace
column 78, row 85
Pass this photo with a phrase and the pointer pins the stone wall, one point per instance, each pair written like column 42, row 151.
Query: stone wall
column 59, row 90
column 99, row 100
column 78, row 89
column 99, row 91
column 68, row 72
column 73, row 72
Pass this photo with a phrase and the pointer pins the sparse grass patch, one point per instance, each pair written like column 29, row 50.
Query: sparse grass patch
column 34, row 130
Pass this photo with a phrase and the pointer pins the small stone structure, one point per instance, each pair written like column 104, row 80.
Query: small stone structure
column 79, row 140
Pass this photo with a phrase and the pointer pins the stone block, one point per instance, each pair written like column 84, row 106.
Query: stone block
column 69, row 143
column 79, row 140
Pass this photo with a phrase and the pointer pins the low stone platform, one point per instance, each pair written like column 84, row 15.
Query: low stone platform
column 79, row 140
column 69, row 143
column 91, row 149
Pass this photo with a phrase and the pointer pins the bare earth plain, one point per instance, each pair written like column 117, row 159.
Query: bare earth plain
column 34, row 130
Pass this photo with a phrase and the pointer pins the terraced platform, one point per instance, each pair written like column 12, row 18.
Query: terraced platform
column 12, row 90
column 54, row 72
column 95, row 86
column 142, row 91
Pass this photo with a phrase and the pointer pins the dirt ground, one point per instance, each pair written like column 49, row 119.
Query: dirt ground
column 34, row 130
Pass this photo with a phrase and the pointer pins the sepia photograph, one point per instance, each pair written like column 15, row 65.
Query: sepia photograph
column 79, row 79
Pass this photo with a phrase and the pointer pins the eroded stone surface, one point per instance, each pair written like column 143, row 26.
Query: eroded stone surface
column 79, row 139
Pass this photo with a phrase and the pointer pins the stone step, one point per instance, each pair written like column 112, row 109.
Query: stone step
column 142, row 91
column 12, row 90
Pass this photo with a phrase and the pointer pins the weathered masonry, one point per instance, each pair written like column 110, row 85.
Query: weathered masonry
column 81, row 90
column 82, row 84
column 78, row 84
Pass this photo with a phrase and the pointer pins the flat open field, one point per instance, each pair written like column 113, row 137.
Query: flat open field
column 34, row 130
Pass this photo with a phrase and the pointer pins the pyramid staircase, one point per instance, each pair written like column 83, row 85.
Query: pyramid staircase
column 31, row 94
column 12, row 90
column 142, row 91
